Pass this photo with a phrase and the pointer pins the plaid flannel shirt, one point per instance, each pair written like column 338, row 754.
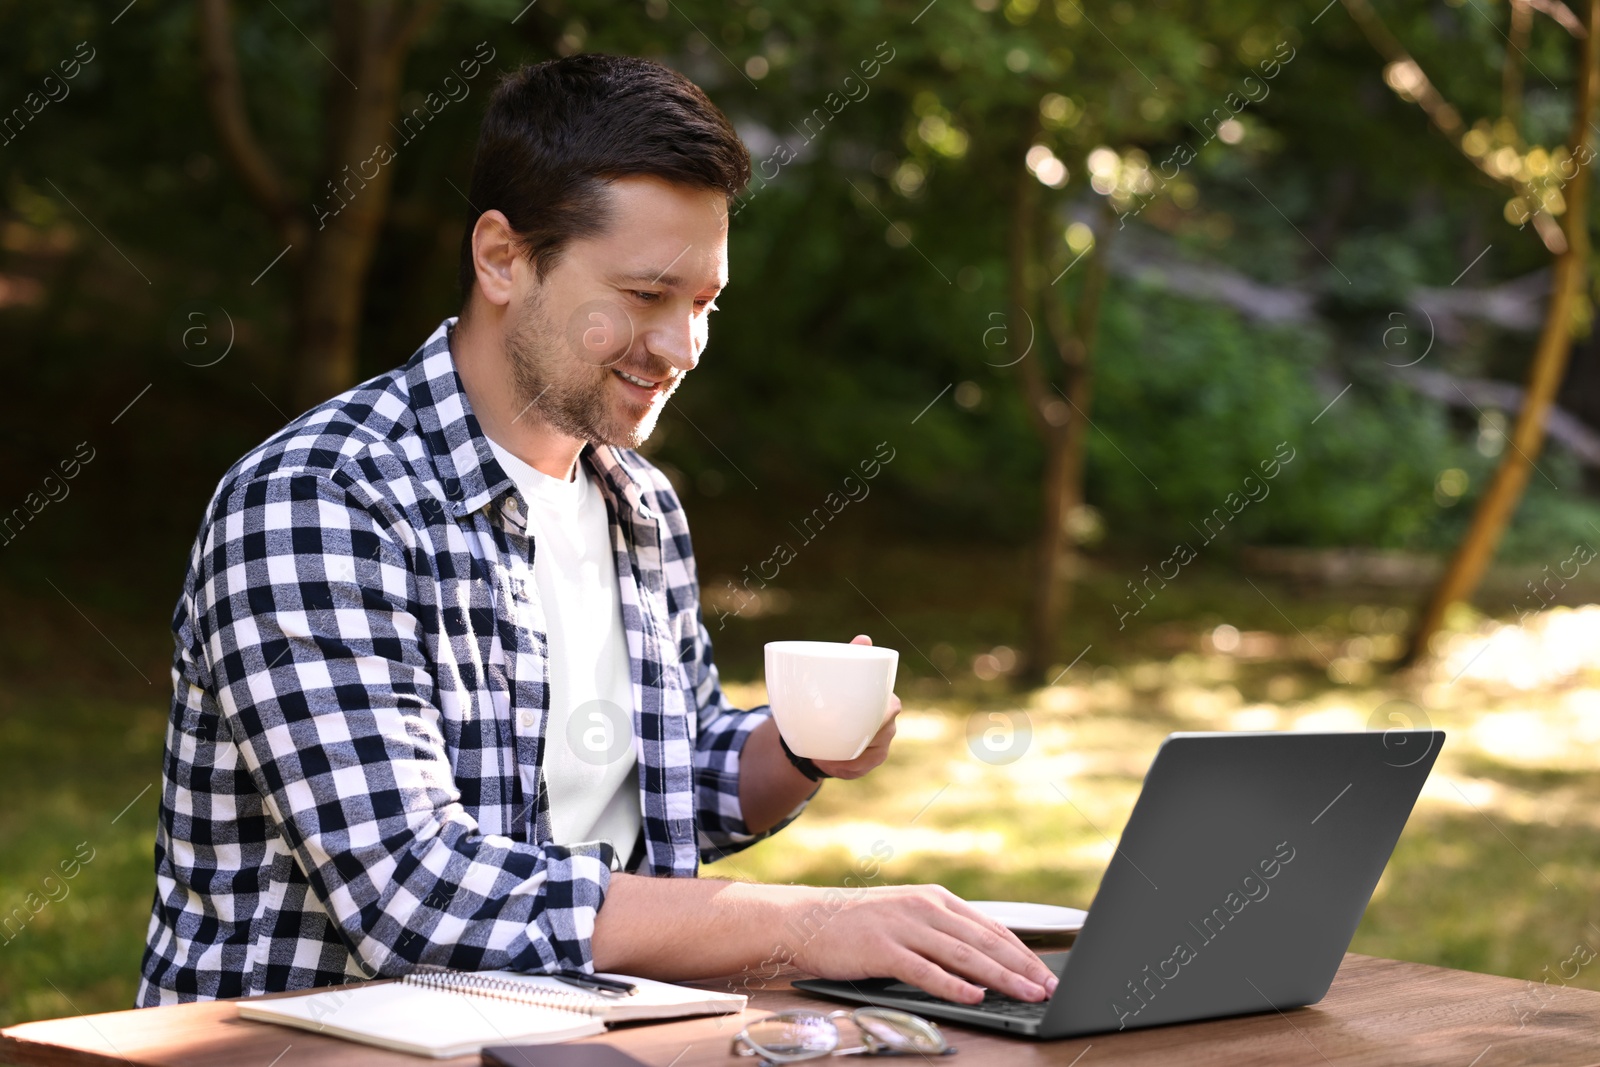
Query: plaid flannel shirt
column 353, row 698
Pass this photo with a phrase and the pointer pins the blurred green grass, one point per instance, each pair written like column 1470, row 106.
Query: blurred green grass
column 81, row 749
column 82, row 778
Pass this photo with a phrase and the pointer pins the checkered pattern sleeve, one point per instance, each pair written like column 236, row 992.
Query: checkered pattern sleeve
column 723, row 731
column 320, row 641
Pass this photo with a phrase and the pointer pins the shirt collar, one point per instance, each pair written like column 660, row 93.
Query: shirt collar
column 471, row 475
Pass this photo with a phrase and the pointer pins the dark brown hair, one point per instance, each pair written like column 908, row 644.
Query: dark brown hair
column 556, row 132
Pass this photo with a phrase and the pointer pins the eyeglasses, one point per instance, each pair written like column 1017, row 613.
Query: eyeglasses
column 791, row 1036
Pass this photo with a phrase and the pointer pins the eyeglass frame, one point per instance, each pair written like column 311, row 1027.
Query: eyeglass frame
column 743, row 1045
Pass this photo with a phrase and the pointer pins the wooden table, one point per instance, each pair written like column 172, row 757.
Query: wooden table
column 1379, row 1012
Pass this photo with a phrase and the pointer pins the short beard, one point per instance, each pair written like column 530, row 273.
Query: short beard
column 568, row 400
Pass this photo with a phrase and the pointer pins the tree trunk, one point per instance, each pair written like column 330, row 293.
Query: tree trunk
column 1050, row 594
column 1060, row 415
column 330, row 256
column 358, row 168
column 1504, row 492
column 1023, row 292
column 1066, row 453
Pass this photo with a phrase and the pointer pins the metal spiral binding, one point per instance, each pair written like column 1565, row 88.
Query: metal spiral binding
column 503, row 989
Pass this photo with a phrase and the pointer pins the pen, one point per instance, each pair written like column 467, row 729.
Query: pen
column 597, row 983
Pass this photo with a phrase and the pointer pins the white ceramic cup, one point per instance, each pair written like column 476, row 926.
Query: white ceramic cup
column 829, row 699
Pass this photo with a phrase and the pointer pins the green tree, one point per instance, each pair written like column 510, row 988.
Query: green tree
column 1545, row 185
column 1076, row 122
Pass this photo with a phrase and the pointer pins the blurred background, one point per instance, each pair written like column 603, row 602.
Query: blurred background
column 1130, row 368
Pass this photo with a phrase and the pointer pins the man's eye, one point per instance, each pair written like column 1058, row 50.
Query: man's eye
column 648, row 298
column 706, row 305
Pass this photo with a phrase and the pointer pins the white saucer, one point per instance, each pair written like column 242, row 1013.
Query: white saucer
column 1024, row 918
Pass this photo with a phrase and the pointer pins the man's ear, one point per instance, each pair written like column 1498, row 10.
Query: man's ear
column 495, row 255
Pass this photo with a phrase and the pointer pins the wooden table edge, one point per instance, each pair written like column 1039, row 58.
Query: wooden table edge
column 213, row 1023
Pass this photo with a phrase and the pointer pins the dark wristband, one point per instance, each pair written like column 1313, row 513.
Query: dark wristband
column 801, row 764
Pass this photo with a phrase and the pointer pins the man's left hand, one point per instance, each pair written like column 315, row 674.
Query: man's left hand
column 876, row 751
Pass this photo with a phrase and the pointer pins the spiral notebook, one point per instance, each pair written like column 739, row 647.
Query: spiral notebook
column 454, row 1013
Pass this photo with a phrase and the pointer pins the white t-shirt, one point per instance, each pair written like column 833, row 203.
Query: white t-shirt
column 589, row 759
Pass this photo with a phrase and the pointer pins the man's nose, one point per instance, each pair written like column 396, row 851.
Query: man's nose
column 678, row 342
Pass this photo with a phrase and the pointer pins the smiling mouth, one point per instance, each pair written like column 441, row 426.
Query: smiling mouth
column 643, row 383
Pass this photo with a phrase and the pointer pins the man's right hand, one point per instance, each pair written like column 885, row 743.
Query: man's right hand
column 924, row 935
column 677, row 929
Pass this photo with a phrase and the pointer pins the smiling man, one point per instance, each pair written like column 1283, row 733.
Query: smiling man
column 442, row 691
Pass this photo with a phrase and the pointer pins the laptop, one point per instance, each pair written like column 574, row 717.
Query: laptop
column 1239, row 881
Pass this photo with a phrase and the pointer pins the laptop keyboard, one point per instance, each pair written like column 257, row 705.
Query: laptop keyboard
column 993, row 1002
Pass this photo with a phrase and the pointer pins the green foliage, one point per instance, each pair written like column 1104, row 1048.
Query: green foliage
column 1382, row 270
column 1552, row 518
column 1198, row 402
column 867, row 270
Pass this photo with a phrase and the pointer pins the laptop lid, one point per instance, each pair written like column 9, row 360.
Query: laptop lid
column 1241, row 876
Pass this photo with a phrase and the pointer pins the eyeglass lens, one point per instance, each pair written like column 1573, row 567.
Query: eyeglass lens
column 899, row 1030
column 794, row 1033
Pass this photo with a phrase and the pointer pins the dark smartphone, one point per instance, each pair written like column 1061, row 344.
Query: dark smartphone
column 558, row 1056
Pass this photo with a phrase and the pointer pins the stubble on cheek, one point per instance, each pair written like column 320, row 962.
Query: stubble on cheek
column 550, row 386
column 568, row 384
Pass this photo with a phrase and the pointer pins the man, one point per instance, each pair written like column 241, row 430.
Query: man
column 442, row 692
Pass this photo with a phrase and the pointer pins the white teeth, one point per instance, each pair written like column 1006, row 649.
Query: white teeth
column 625, row 376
